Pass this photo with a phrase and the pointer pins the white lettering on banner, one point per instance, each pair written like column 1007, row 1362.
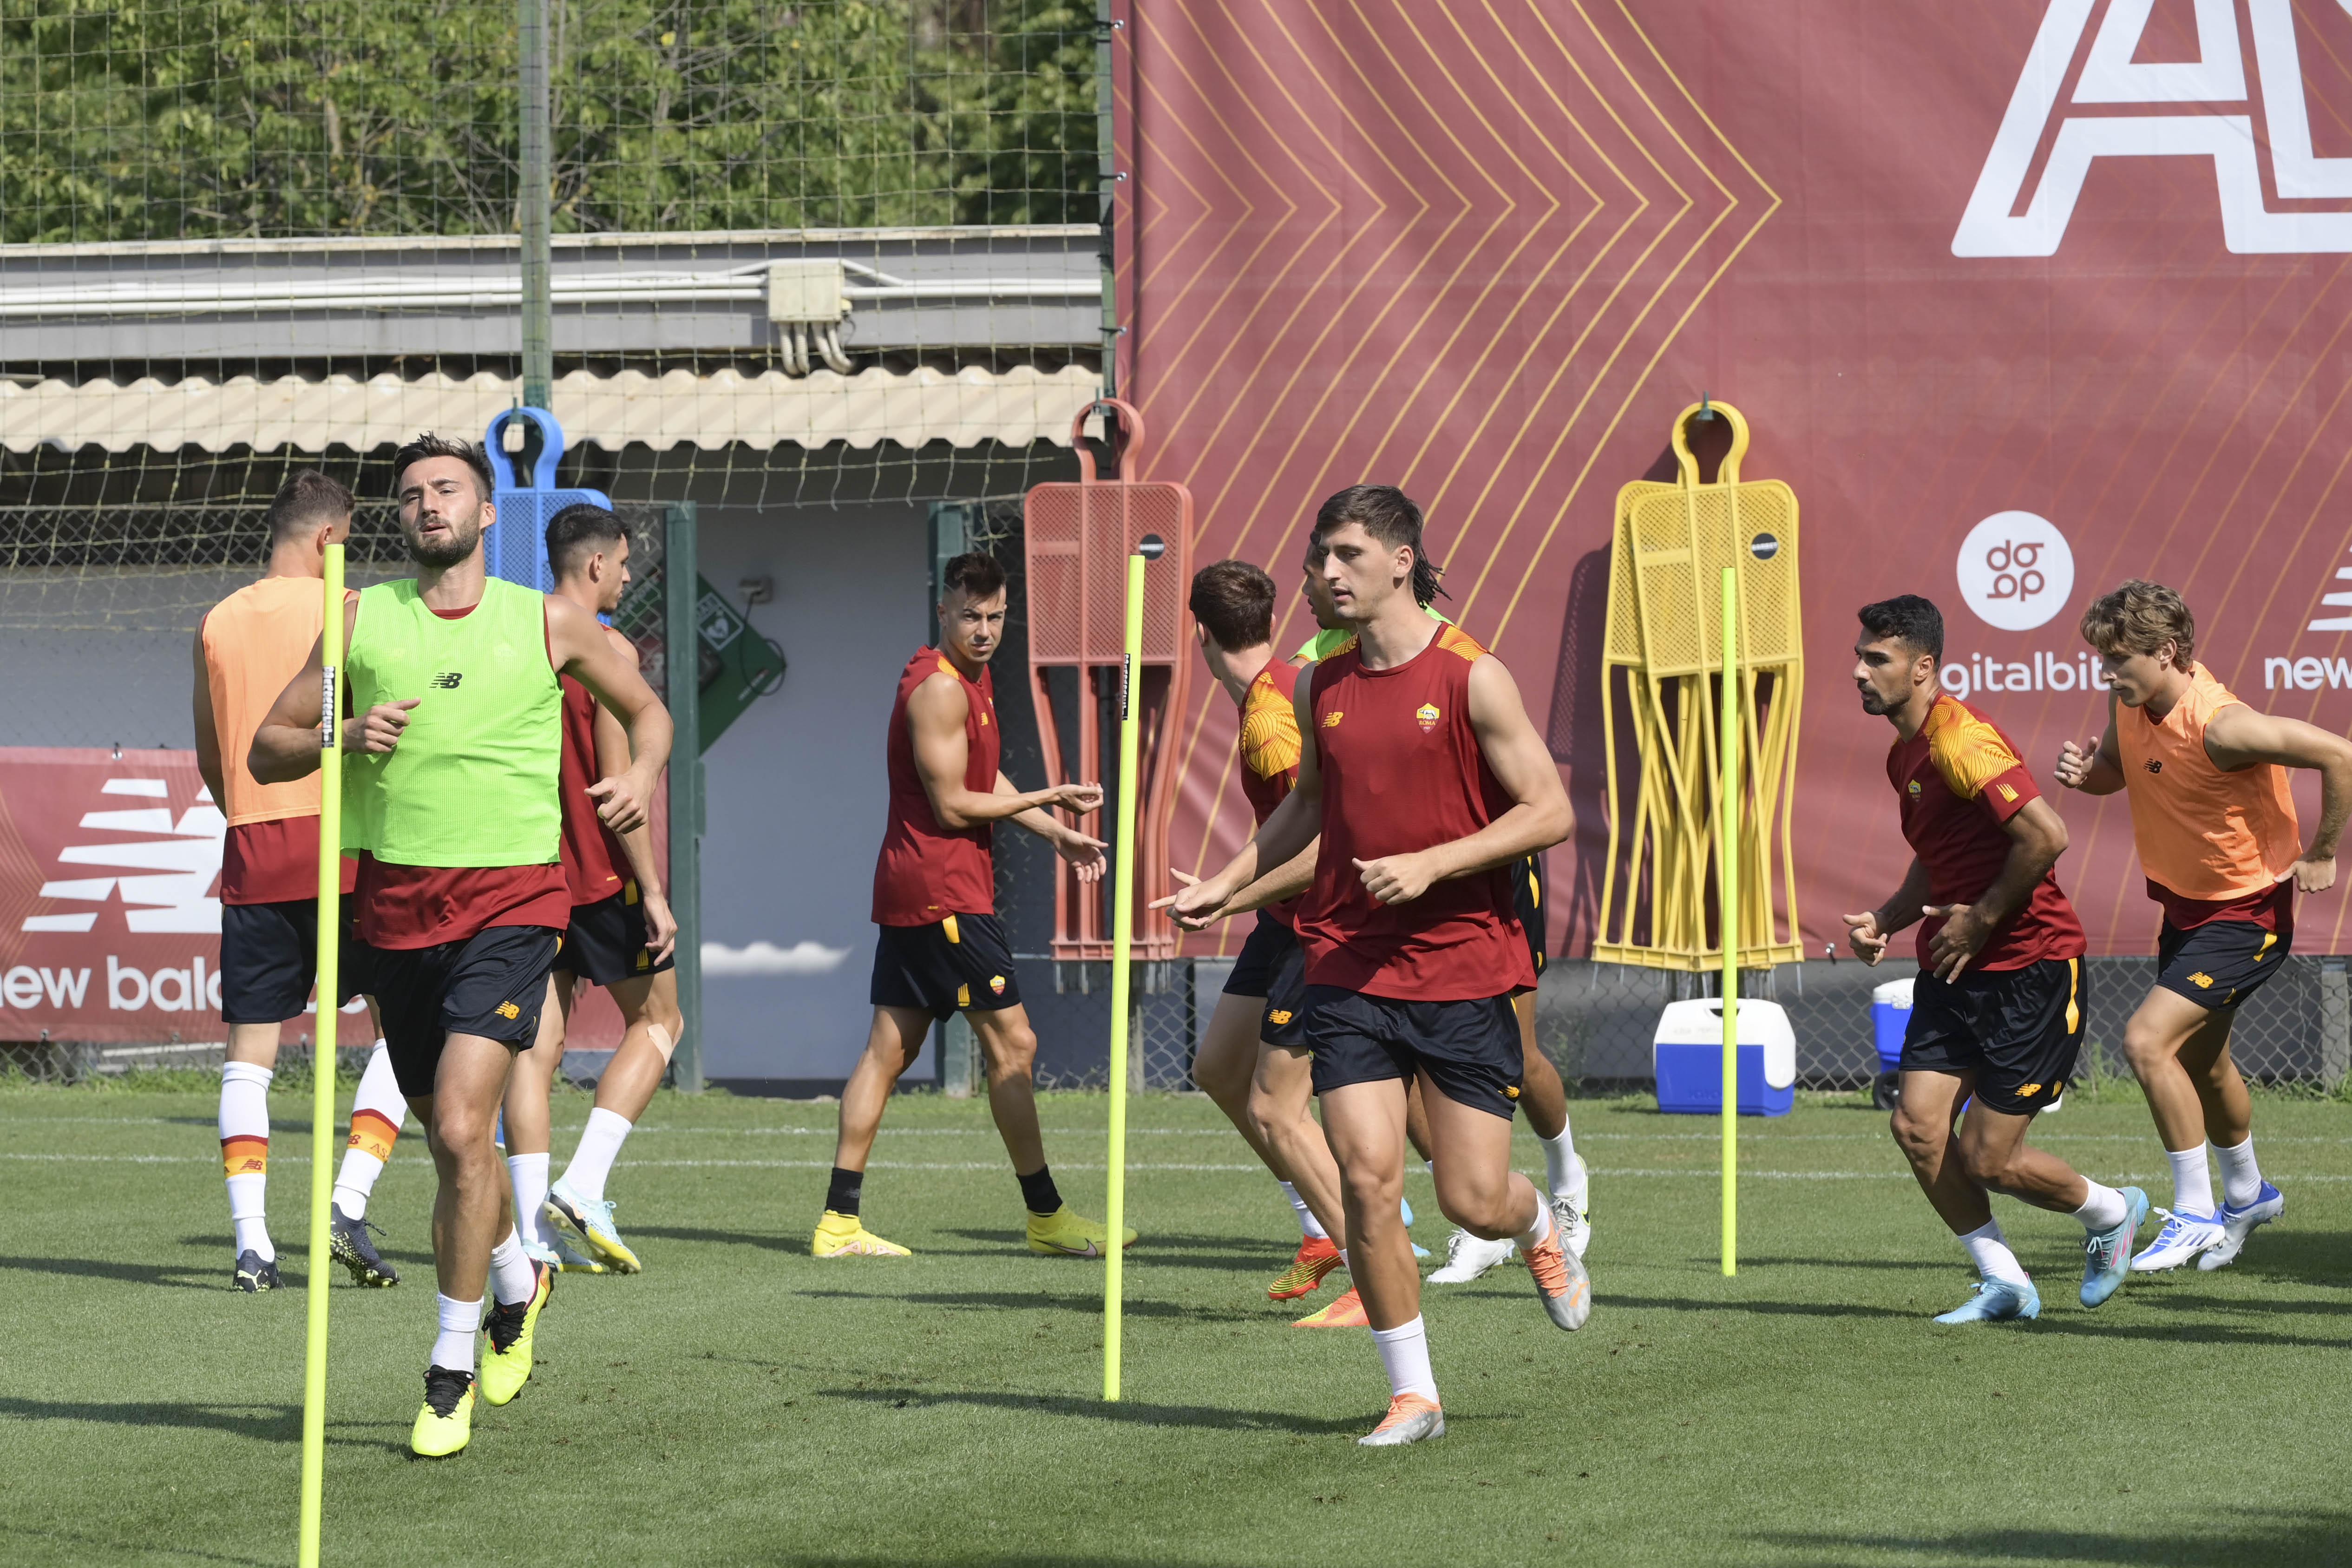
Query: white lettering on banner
column 23, row 987
column 2109, row 77
column 2016, row 571
column 177, row 899
column 1965, row 676
column 2343, row 573
column 129, row 989
column 2307, row 674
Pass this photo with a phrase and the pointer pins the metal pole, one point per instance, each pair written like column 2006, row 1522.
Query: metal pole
column 1106, row 181
column 531, row 207
column 682, row 650
column 322, row 1061
column 951, row 537
column 1727, row 851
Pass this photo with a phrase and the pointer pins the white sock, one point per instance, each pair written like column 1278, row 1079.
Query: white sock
column 1536, row 1235
column 245, row 1154
column 454, row 1345
column 600, row 1145
column 2242, row 1179
column 2103, row 1209
column 377, row 1111
column 512, row 1279
column 2193, row 1182
column 1404, row 1352
column 1560, row 1163
column 528, row 1175
column 1989, row 1250
column 1309, row 1225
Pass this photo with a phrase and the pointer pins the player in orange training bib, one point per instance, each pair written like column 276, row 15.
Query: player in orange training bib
column 2216, row 835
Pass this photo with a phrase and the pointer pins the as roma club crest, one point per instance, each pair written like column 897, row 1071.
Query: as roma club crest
column 1428, row 715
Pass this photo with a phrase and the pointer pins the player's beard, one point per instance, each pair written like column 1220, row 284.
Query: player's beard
column 1873, row 704
column 463, row 537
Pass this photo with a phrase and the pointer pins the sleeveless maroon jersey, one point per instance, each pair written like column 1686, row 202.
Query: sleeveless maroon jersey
column 593, row 855
column 1269, row 752
column 927, row 872
column 1401, row 770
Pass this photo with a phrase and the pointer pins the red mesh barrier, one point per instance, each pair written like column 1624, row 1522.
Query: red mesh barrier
column 1079, row 538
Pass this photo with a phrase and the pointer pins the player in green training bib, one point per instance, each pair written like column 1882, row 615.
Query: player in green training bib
column 450, row 802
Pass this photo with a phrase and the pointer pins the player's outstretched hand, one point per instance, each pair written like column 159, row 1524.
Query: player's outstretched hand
column 2074, row 765
column 619, row 804
column 1194, row 905
column 1081, row 798
column 1084, row 854
column 1396, row 879
column 2312, row 874
column 661, row 927
column 378, row 731
column 1862, row 934
column 1957, row 943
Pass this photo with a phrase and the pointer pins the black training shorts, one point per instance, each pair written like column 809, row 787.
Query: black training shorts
column 606, row 940
column 1469, row 1049
column 270, row 959
column 1528, row 890
column 491, row 984
column 1273, row 968
column 2218, row 964
column 2018, row 1030
column 963, row 961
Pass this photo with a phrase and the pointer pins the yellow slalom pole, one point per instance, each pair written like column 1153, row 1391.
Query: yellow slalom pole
column 322, row 1061
column 1727, row 853
column 1122, row 939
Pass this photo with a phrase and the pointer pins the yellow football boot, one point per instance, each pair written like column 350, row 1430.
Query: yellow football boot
column 1065, row 1233
column 445, row 1424
column 506, row 1364
column 843, row 1235
column 1346, row 1313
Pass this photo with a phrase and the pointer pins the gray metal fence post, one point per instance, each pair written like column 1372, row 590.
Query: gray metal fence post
column 682, row 651
column 2335, row 1023
column 533, row 198
column 959, row 1062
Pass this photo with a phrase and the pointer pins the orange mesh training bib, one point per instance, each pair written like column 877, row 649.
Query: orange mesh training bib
column 2204, row 833
column 256, row 641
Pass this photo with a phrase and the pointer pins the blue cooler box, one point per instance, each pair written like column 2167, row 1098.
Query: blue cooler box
column 1890, row 1014
column 1687, row 1055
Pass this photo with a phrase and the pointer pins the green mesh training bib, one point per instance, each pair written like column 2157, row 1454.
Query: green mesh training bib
column 473, row 780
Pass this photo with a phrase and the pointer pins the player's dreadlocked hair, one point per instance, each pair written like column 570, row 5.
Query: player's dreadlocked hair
column 1388, row 514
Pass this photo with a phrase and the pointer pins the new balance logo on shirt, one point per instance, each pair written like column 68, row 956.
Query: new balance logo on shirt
column 448, row 680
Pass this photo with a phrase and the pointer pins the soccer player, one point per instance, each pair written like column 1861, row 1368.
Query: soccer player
column 2216, row 830
column 1546, row 1098
column 940, row 950
column 1997, row 1014
column 246, row 648
column 622, row 937
column 1427, row 784
column 1253, row 1061
column 450, row 792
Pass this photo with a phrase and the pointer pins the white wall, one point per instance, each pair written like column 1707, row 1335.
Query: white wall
column 795, row 790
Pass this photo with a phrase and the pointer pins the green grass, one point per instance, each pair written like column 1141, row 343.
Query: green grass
column 743, row 1403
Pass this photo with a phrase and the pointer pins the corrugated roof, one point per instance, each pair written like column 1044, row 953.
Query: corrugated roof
column 678, row 409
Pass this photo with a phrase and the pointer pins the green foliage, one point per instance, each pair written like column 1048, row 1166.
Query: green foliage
column 170, row 118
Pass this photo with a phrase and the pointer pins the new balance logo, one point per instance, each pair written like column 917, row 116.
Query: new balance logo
column 2183, row 116
column 2155, row 766
column 2201, row 980
column 506, row 1010
column 448, row 680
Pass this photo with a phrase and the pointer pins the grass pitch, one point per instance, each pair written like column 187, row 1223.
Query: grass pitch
column 740, row 1402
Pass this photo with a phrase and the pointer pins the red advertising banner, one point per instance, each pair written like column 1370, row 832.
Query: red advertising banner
column 110, row 906
column 2022, row 297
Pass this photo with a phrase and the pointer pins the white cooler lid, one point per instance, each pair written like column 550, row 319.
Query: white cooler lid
column 1699, row 1022
column 1894, row 993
